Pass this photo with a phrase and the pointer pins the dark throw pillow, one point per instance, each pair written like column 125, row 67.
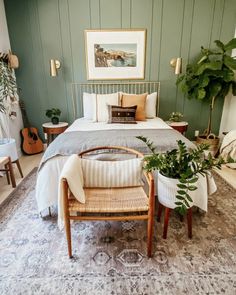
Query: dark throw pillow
column 124, row 115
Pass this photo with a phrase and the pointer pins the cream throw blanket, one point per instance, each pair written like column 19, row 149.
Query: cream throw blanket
column 73, row 173
column 228, row 147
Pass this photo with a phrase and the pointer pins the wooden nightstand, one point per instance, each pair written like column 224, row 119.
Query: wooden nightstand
column 179, row 126
column 51, row 130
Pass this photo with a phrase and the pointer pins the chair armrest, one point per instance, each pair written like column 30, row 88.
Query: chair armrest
column 148, row 176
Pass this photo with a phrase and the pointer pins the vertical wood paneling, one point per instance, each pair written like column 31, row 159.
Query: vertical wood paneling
column 156, row 36
column 170, row 47
column 95, row 18
column 125, row 14
column 200, row 36
column 141, row 17
column 110, row 14
column 67, row 59
column 49, row 24
column 44, row 29
column 184, row 49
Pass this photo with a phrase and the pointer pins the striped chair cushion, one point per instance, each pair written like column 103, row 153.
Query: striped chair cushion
column 108, row 174
column 124, row 115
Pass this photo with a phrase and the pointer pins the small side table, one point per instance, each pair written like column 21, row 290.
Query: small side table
column 51, row 130
column 179, row 126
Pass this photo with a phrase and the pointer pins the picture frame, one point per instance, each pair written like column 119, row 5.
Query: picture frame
column 117, row 54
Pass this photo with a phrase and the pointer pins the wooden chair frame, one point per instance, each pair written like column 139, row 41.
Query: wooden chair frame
column 149, row 214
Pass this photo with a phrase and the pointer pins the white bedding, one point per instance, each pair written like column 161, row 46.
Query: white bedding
column 88, row 125
column 48, row 176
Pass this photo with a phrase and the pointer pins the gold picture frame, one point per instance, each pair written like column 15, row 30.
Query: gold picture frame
column 117, row 54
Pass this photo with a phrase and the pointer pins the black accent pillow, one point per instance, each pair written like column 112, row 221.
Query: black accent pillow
column 124, row 115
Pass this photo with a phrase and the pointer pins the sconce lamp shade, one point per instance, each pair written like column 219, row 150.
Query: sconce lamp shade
column 54, row 66
column 176, row 63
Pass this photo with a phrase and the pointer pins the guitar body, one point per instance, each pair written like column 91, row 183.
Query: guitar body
column 31, row 142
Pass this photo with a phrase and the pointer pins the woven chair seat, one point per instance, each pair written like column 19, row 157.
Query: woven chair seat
column 114, row 200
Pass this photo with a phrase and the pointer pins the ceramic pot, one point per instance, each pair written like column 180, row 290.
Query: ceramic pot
column 55, row 120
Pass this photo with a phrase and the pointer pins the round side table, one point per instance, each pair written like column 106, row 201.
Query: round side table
column 179, row 126
column 51, row 130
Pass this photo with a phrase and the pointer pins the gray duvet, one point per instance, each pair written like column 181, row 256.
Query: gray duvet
column 74, row 142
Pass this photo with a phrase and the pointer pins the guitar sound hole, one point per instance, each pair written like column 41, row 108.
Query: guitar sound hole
column 33, row 136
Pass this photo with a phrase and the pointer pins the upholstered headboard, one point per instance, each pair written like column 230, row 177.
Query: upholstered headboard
column 105, row 88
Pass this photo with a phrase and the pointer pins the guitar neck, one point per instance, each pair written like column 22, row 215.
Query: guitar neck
column 24, row 117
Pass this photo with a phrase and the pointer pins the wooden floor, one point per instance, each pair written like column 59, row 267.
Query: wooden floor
column 29, row 162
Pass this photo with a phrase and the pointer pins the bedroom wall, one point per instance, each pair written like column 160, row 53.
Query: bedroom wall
column 16, row 124
column 45, row 29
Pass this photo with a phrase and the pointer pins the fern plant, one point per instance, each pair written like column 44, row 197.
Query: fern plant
column 8, row 87
column 183, row 164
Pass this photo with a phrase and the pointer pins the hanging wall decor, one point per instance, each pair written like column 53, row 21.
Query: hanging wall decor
column 8, row 87
column 115, row 54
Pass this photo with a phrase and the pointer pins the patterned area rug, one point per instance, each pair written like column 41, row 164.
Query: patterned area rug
column 110, row 257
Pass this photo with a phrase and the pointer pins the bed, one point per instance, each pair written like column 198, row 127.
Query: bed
column 85, row 133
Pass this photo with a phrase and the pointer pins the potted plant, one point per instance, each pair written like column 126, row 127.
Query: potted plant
column 182, row 165
column 210, row 77
column 175, row 117
column 54, row 115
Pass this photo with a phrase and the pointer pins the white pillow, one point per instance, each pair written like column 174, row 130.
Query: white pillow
column 102, row 101
column 151, row 105
column 109, row 174
column 89, row 106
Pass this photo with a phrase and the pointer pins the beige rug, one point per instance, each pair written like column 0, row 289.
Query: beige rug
column 110, row 257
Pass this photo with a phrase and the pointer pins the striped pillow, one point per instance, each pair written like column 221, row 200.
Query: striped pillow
column 124, row 115
column 110, row 174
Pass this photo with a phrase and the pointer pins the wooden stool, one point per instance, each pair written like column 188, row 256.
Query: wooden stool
column 17, row 162
column 166, row 220
column 6, row 161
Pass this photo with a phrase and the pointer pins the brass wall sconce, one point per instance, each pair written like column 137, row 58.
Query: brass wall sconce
column 54, row 66
column 176, row 63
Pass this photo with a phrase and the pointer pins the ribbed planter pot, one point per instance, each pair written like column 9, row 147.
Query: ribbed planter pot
column 167, row 190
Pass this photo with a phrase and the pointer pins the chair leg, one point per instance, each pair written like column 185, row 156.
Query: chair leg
column 7, row 173
column 150, row 235
column 13, row 181
column 189, row 220
column 166, row 221
column 19, row 167
column 160, row 207
column 67, row 217
column 68, row 236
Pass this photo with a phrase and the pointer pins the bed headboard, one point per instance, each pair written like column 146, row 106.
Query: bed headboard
column 105, row 88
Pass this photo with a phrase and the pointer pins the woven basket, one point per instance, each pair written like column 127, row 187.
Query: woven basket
column 212, row 140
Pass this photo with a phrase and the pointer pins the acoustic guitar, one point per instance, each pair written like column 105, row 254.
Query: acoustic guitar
column 31, row 142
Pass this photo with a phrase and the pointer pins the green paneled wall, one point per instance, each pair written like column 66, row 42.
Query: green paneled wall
column 44, row 29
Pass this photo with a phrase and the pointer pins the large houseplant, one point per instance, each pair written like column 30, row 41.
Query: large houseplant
column 183, row 164
column 210, row 76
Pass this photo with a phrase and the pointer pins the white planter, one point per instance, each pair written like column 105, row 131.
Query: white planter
column 167, row 190
column 8, row 148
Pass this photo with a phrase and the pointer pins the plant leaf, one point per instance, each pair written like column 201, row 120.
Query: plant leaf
column 230, row 45
column 220, row 45
column 230, row 62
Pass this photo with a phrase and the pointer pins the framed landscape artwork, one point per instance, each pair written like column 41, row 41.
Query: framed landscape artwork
column 115, row 54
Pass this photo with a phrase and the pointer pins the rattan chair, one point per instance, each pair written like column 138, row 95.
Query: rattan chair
column 130, row 203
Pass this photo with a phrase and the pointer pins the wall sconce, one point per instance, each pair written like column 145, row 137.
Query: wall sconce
column 176, row 63
column 54, row 66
